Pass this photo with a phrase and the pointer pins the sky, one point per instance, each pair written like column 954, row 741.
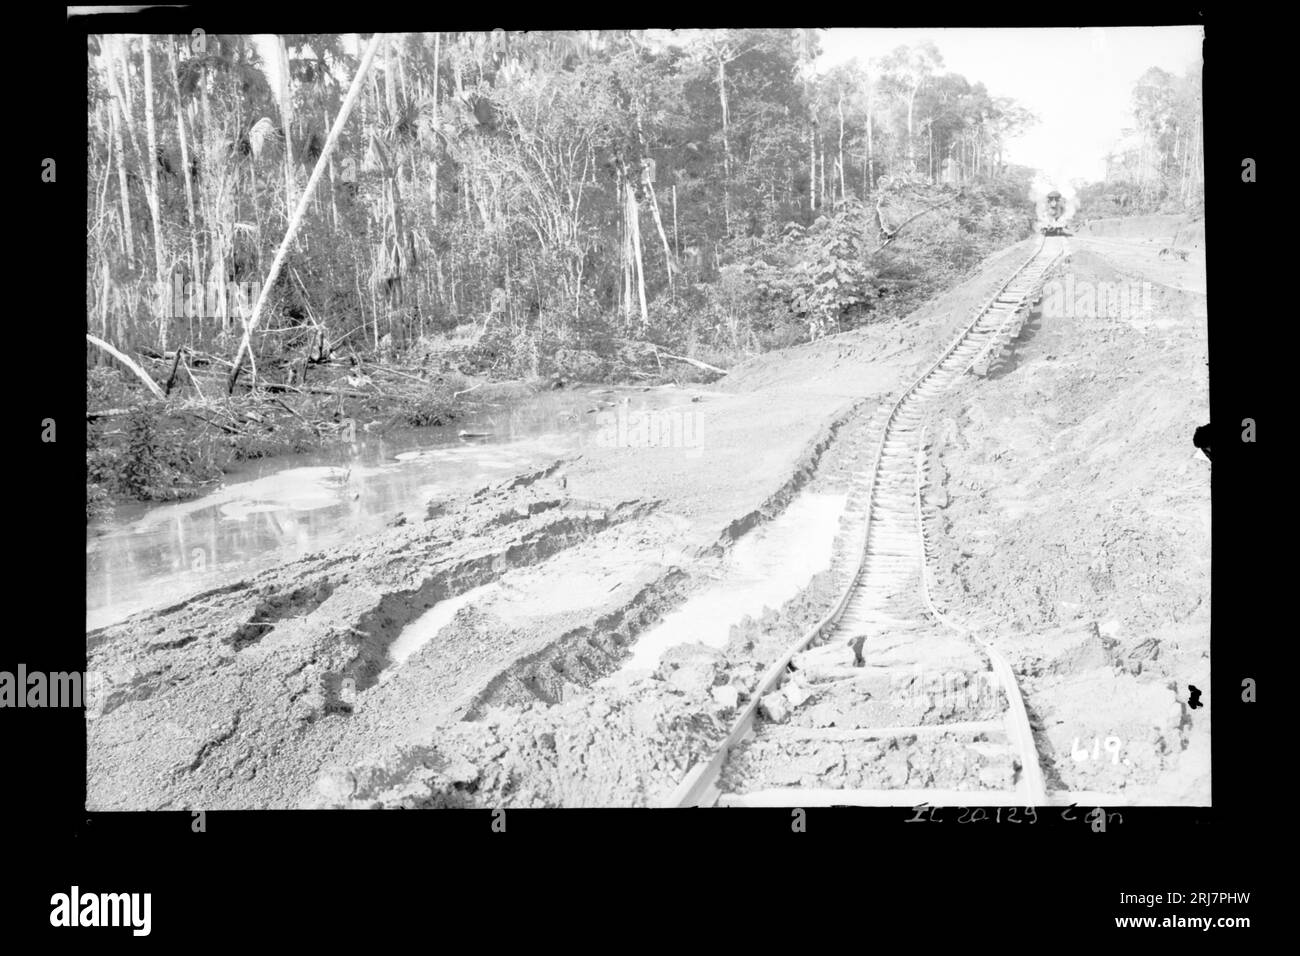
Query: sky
column 1078, row 80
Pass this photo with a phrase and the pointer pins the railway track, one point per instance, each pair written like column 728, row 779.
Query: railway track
column 812, row 715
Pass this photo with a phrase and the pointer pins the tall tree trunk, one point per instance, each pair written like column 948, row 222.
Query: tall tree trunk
column 185, row 165
column 102, row 202
column 911, row 141
column 843, row 189
column 128, row 231
column 321, row 162
column 286, row 120
column 726, row 144
column 812, row 169
column 871, row 145
column 334, row 201
column 634, row 218
column 826, row 193
column 677, row 239
column 390, row 81
column 155, row 213
column 669, row 264
column 930, row 129
column 210, row 198
column 433, row 153
column 625, row 248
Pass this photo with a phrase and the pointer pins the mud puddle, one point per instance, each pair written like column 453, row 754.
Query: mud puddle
column 422, row 630
column 765, row 569
column 276, row 511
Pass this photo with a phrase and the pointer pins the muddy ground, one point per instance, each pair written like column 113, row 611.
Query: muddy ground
column 301, row 688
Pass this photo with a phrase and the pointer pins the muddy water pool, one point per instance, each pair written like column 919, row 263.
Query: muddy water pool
column 269, row 512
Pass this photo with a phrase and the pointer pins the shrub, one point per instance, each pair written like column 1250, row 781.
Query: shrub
column 287, row 437
column 148, row 461
column 432, row 407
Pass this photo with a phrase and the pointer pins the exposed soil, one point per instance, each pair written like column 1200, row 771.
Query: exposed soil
column 284, row 691
column 1072, row 507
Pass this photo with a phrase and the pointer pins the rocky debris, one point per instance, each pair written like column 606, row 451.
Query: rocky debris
column 624, row 747
column 1066, row 650
column 727, row 695
column 691, row 668
column 743, row 676
column 796, row 692
column 775, row 707
column 946, row 762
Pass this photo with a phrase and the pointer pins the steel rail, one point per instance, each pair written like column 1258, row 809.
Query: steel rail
column 698, row 786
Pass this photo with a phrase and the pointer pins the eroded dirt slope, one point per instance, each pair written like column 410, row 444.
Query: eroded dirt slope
column 1070, row 505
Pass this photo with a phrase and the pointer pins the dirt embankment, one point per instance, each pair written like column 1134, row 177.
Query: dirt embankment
column 1073, row 507
column 1155, row 227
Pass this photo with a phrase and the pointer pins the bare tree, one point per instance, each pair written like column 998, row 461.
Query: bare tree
column 357, row 82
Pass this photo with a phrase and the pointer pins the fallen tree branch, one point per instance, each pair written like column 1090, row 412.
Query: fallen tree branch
column 195, row 356
column 317, row 390
column 466, row 391
column 892, row 234
column 305, row 200
column 398, row 372
column 690, row 361
column 293, row 411
column 334, row 343
column 194, row 381
column 139, row 373
column 228, row 429
column 511, row 381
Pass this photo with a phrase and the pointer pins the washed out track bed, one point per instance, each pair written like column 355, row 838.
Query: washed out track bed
column 858, row 739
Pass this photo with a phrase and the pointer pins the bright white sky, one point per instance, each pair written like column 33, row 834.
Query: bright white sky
column 1078, row 80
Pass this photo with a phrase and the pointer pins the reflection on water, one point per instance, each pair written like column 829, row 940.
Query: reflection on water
column 766, row 568
column 274, row 511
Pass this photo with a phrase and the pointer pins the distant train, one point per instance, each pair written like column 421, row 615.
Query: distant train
column 1055, row 220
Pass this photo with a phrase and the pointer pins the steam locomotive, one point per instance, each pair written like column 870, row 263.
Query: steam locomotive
column 1055, row 221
